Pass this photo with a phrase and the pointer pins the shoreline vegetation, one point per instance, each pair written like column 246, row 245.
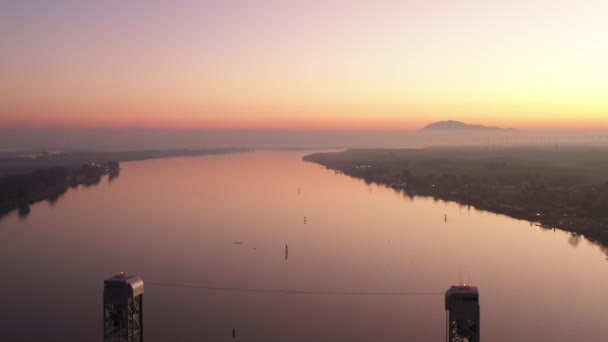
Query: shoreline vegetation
column 27, row 179
column 550, row 186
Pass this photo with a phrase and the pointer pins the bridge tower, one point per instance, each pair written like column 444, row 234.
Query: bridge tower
column 123, row 309
column 462, row 314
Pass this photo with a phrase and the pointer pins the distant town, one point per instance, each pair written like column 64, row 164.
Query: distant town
column 550, row 186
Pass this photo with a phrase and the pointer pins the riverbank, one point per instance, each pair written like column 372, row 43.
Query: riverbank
column 48, row 176
column 13, row 163
column 553, row 187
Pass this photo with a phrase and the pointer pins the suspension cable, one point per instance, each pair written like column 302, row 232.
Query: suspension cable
column 301, row 292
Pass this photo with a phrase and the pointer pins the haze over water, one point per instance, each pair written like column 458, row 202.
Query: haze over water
column 177, row 220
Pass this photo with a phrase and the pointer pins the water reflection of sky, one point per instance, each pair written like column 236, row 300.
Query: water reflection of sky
column 177, row 220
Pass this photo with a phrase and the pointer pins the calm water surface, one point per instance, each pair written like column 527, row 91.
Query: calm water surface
column 177, row 220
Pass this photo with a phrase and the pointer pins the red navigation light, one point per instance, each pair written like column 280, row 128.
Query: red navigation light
column 122, row 273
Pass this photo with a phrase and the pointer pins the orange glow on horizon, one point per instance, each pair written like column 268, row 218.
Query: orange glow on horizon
column 293, row 124
column 368, row 66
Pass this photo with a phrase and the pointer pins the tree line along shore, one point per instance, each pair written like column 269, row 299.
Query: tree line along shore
column 27, row 177
column 564, row 187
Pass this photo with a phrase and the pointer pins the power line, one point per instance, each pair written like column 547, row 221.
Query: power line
column 235, row 289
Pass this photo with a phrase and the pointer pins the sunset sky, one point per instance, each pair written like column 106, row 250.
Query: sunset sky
column 303, row 64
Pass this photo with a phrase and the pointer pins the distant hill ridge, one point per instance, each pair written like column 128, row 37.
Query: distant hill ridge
column 451, row 125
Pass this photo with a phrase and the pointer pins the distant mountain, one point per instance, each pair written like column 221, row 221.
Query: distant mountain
column 451, row 125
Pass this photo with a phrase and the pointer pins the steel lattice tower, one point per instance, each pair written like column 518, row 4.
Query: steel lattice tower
column 123, row 309
column 462, row 314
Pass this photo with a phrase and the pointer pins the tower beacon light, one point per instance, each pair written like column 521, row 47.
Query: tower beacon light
column 462, row 314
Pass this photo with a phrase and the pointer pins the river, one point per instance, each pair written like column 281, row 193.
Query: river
column 224, row 221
